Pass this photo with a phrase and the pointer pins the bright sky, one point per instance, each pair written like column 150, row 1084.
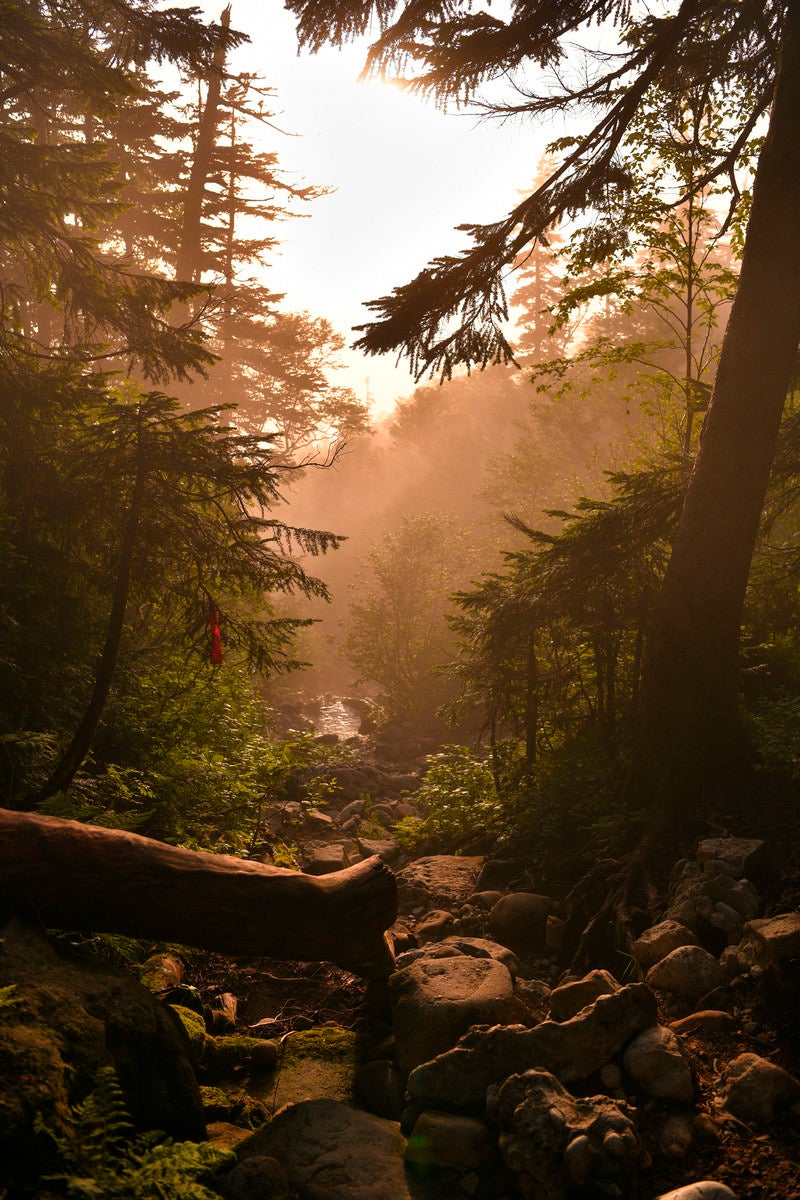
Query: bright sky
column 405, row 173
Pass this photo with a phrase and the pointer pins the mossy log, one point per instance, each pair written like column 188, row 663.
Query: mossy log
column 75, row 876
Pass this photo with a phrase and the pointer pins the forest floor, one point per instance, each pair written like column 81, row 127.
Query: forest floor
column 755, row 1164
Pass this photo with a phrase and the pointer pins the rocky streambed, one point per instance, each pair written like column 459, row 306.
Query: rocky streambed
column 479, row 1068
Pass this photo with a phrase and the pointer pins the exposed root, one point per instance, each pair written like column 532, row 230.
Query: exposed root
column 611, row 904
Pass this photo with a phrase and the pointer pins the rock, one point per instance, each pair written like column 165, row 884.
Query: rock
column 570, row 998
column 224, row 1135
column 498, row 873
column 656, row 1061
column 570, row 1050
column 699, row 891
column 257, row 1178
column 321, row 821
column 485, row 900
column 434, row 1001
column 689, row 971
column 754, row 1087
column 554, row 934
column 63, row 1020
column 675, row 1138
column 774, row 939
column 334, row 1152
column 378, row 1087
column 449, row 1140
column 477, row 947
column 555, row 1142
column 226, row 1056
column 535, row 995
column 325, row 859
column 354, row 809
column 222, row 1016
column 708, row 1022
column 519, row 921
column 388, row 849
column 161, row 972
column 706, row 1189
column 743, row 858
column 316, row 1063
column 433, row 926
column 439, row 880
column 660, row 940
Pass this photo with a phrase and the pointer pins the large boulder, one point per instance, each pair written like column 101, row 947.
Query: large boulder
column 333, row 1152
column 557, row 1143
column 570, row 1050
column 438, row 881
column 61, row 1021
column 436, row 1000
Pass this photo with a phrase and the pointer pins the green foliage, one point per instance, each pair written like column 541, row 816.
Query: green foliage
column 458, row 796
column 102, row 1159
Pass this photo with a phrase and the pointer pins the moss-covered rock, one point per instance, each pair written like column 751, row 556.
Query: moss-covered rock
column 235, row 1107
column 66, row 1020
column 237, row 1054
column 313, row 1064
column 195, row 1028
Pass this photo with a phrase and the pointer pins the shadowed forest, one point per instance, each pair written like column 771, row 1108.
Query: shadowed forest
column 296, row 700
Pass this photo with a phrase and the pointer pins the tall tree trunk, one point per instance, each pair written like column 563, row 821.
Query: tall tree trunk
column 188, row 263
column 76, row 752
column 690, row 694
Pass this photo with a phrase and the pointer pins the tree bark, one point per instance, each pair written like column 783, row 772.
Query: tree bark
column 689, row 726
column 76, row 876
column 72, row 758
column 188, row 263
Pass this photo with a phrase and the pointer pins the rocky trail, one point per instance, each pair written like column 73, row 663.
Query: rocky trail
column 480, row 1068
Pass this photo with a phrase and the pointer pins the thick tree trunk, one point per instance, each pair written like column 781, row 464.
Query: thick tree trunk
column 688, row 731
column 76, row 876
column 72, row 758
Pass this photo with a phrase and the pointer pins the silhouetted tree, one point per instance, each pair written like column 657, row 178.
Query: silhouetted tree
column 453, row 311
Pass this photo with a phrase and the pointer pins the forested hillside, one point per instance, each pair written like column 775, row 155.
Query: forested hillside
column 401, row 806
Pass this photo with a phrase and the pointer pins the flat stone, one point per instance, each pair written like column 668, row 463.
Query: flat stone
column 742, row 856
column 436, row 1000
column 570, row 1049
column 689, row 971
column 660, row 940
column 438, row 881
column 388, row 850
column 656, row 1061
column 334, row 1152
column 477, row 947
column 570, row 998
column 324, row 860
column 775, row 938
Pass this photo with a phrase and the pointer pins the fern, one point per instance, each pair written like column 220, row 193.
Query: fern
column 102, row 1159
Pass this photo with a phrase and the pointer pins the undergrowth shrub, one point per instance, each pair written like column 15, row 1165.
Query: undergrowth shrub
column 101, row 1158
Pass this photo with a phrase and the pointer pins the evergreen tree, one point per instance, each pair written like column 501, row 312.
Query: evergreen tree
column 453, row 312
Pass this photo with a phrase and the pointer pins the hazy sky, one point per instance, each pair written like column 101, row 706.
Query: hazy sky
column 405, row 175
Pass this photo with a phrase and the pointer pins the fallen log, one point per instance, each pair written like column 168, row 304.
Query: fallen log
column 83, row 877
